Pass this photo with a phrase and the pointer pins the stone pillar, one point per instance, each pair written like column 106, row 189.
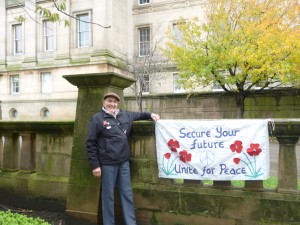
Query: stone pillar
column 254, row 185
column 0, row 107
column 195, row 183
column 63, row 45
column 222, row 184
column 11, row 152
column 83, row 192
column 1, row 151
column 28, row 150
column 287, row 165
column 30, row 43
column 3, row 39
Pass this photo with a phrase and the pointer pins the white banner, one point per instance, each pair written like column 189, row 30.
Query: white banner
column 213, row 149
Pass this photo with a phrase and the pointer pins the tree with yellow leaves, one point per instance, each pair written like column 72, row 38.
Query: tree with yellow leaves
column 242, row 44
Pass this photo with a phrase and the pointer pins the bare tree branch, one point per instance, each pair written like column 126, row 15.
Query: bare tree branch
column 73, row 17
column 145, row 69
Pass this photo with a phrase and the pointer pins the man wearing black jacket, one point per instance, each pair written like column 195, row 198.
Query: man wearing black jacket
column 109, row 153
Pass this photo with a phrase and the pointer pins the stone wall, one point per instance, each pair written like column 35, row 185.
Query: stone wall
column 35, row 173
column 62, row 174
column 280, row 103
column 35, row 163
column 160, row 201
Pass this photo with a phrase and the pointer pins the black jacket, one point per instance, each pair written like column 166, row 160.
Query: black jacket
column 107, row 139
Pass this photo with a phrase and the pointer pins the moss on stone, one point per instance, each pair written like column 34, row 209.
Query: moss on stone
column 14, row 67
column 80, row 61
column 154, row 220
column 280, row 211
column 45, row 64
column 81, row 173
column 144, row 170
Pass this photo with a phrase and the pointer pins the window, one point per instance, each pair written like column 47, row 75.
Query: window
column 46, row 83
column 146, row 84
column 17, row 39
column 177, row 86
column 176, row 31
column 83, row 30
column 14, row 81
column 48, row 35
column 45, row 113
column 14, row 84
column 141, row 2
column 217, row 86
column 144, row 41
column 13, row 113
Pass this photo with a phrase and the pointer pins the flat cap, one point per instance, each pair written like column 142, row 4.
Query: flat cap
column 111, row 94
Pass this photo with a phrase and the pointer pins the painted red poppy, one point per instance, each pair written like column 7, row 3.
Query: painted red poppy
column 237, row 146
column 167, row 155
column 236, row 160
column 173, row 145
column 185, row 156
column 254, row 150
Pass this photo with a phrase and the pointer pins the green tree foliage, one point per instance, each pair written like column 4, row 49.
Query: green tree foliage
column 240, row 45
column 49, row 14
column 60, row 5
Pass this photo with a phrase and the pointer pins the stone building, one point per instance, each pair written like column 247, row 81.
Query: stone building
column 36, row 53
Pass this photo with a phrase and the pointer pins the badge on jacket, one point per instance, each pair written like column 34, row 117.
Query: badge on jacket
column 106, row 124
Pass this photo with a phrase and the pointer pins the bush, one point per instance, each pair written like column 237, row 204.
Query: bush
column 9, row 218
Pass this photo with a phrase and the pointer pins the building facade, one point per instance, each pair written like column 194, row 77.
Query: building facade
column 35, row 53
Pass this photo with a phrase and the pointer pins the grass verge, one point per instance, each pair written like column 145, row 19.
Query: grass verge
column 270, row 183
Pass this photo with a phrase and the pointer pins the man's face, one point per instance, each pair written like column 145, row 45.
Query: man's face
column 111, row 104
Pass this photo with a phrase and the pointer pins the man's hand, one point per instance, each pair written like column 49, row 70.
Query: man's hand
column 155, row 116
column 97, row 172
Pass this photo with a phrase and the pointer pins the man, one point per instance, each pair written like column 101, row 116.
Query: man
column 109, row 153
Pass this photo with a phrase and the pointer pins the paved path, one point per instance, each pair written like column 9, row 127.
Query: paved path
column 274, row 153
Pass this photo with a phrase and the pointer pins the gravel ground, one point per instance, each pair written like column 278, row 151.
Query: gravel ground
column 54, row 218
